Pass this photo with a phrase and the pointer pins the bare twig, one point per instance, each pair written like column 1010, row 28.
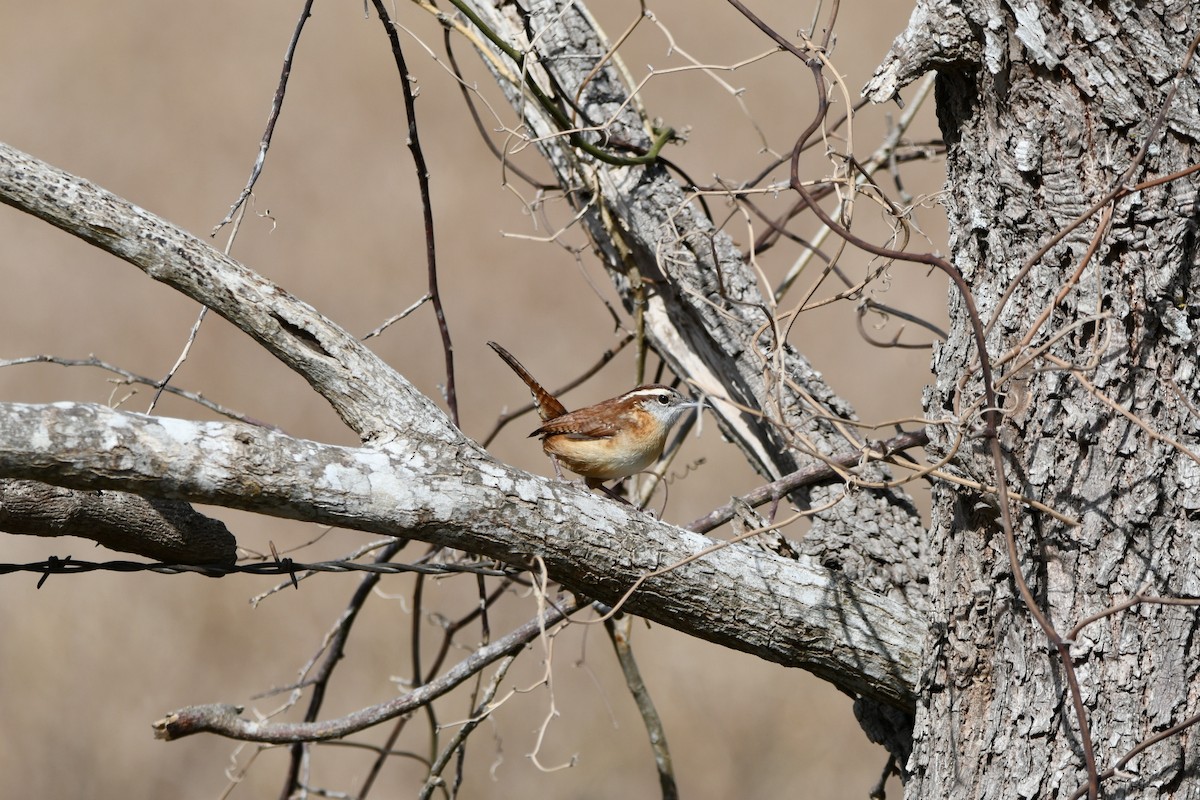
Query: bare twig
column 414, row 144
column 618, row 634
column 226, row 720
column 272, row 117
column 482, row 711
column 128, row 377
column 805, row 477
column 334, row 650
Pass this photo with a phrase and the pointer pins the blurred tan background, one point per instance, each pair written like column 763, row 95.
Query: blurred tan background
column 165, row 104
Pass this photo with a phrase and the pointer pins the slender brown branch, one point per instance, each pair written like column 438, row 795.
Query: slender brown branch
column 1133, row 751
column 774, row 35
column 334, row 652
column 618, row 634
column 1119, row 189
column 272, row 117
column 451, row 629
column 482, row 710
column 1056, row 640
column 226, row 720
column 484, row 133
column 1136, row 600
column 992, row 412
column 414, row 144
column 803, row 477
column 128, row 378
column 868, row 305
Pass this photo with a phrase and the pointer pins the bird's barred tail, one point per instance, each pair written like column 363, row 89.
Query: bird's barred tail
column 547, row 404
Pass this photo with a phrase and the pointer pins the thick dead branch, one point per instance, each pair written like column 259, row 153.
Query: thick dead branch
column 164, row 530
column 793, row 612
column 375, row 401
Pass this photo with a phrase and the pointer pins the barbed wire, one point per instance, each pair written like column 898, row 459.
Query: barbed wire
column 284, row 566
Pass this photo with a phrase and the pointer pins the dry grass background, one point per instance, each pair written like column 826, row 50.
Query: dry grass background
column 164, row 104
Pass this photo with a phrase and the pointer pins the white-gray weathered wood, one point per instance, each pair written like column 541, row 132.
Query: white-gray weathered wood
column 452, row 493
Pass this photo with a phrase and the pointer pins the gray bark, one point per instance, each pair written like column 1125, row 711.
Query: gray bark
column 1044, row 106
column 165, row 530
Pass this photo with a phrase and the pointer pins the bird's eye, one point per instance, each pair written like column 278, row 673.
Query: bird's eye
column 664, row 399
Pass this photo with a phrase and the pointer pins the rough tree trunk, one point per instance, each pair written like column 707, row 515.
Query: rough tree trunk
column 1044, row 106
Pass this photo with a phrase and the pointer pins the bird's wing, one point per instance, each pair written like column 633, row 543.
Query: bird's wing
column 578, row 426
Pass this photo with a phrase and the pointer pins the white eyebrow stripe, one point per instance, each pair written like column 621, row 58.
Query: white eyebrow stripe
column 650, row 393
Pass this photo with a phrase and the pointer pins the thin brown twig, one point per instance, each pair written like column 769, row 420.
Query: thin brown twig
column 1098, row 237
column 272, row 117
column 480, row 128
column 128, row 377
column 992, row 412
column 616, row 607
column 334, row 652
column 416, row 618
column 804, row 477
column 451, row 629
column 1133, row 751
column 161, row 385
column 618, row 634
column 414, row 145
column 1048, row 630
column 226, row 720
column 1136, row 600
column 457, row 742
column 1094, row 390
column 609, row 53
column 868, row 305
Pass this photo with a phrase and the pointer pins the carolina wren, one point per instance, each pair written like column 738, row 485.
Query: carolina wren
column 610, row 440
